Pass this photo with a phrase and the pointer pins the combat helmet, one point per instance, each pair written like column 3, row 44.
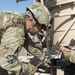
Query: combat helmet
column 41, row 13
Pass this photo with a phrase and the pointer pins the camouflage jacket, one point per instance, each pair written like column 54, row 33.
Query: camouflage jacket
column 11, row 30
column 12, row 24
column 10, row 18
column 69, row 55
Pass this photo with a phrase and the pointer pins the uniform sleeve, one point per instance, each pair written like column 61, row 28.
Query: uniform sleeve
column 69, row 55
column 11, row 39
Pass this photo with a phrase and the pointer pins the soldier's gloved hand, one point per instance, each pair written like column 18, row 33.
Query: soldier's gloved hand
column 46, row 62
column 62, row 49
column 31, row 69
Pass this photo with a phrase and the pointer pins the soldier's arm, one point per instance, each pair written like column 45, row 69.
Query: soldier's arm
column 68, row 54
column 34, row 47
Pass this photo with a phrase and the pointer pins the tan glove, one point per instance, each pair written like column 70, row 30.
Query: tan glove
column 22, row 39
column 47, row 63
column 62, row 49
column 31, row 69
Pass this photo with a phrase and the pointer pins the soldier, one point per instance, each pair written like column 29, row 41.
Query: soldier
column 68, row 54
column 14, row 28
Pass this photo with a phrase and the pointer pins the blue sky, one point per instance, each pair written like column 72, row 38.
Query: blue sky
column 12, row 5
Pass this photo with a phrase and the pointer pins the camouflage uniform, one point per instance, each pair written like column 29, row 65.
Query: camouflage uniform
column 10, row 41
column 69, row 55
column 13, row 35
column 33, row 44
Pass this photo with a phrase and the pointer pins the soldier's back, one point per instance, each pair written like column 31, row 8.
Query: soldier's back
column 8, row 18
